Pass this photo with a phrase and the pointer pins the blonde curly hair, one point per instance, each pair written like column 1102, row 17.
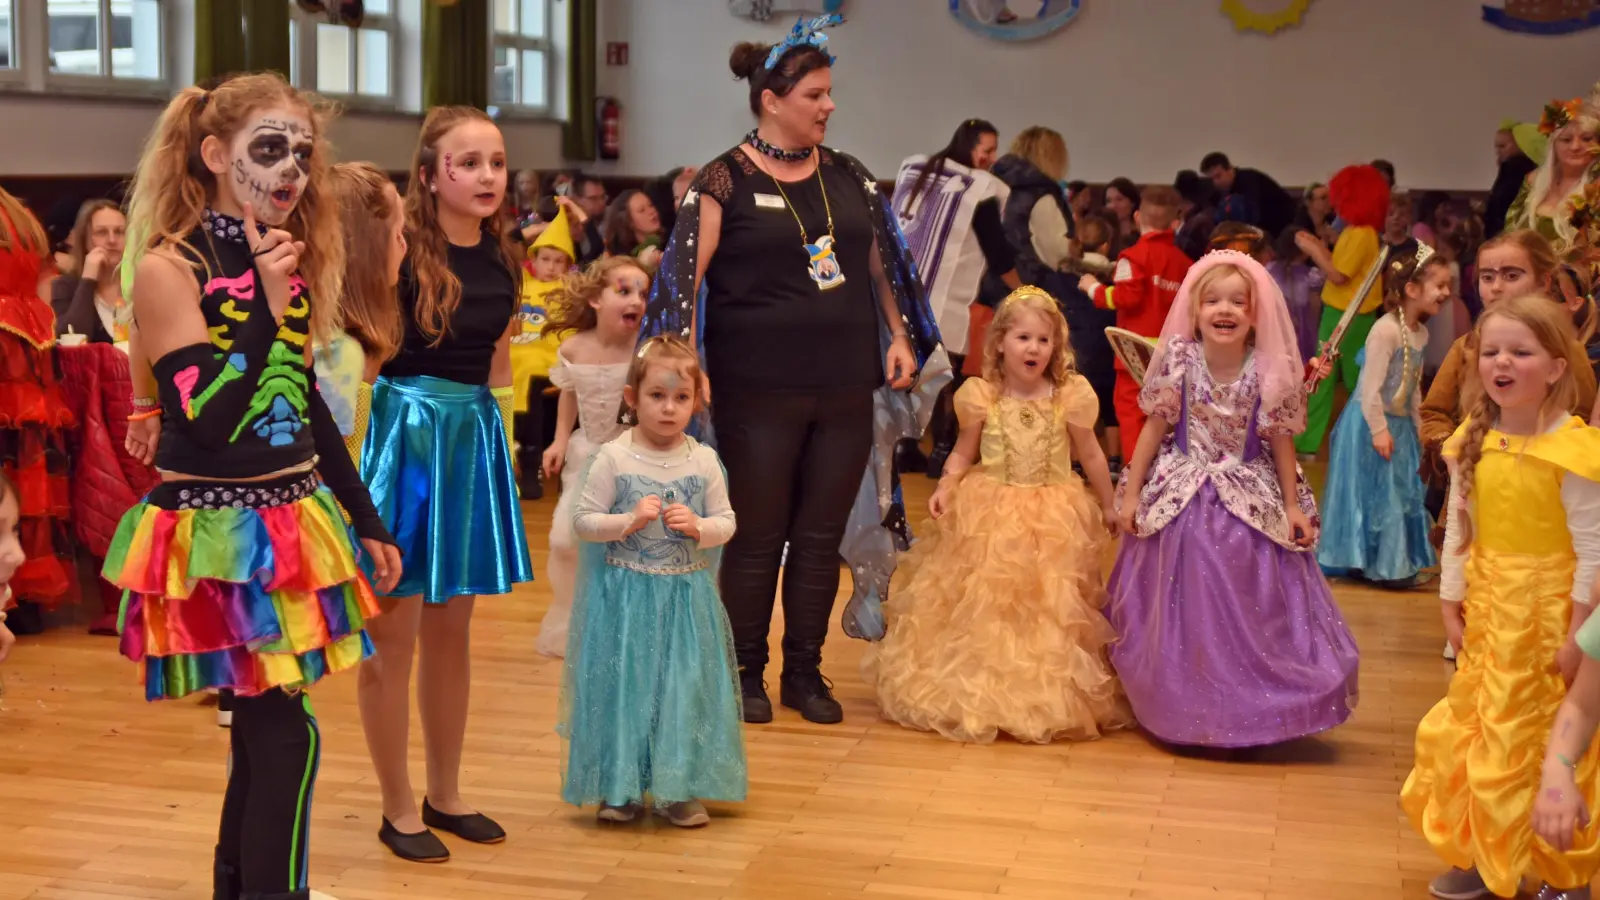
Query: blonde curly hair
column 1036, row 300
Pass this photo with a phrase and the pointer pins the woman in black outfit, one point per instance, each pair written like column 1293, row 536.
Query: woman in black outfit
column 810, row 305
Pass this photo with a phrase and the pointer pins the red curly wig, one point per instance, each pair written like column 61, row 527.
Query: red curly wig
column 1360, row 196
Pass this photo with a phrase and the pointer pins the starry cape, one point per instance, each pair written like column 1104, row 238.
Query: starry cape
column 877, row 526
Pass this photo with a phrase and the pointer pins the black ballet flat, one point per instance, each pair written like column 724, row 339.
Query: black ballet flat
column 422, row 847
column 476, row 827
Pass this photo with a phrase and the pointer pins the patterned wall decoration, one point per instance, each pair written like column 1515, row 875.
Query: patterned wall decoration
column 1265, row 16
column 1544, row 17
column 1015, row 20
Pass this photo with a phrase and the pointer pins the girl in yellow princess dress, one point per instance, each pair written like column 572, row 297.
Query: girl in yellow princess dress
column 994, row 623
column 1522, row 543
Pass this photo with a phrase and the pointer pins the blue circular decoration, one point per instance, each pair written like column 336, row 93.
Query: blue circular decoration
column 1500, row 17
column 1014, row 20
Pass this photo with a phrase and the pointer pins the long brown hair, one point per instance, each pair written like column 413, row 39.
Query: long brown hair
column 569, row 308
column 79, row 240
column 1552, row 327
column 20, row 232
column 371, row 309
column 172, row 186
column 438, row 288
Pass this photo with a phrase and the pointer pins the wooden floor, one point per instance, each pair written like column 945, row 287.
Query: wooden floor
column 103, row 795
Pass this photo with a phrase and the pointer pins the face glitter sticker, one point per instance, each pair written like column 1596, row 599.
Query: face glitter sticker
column 271, row 164
column 449, row 167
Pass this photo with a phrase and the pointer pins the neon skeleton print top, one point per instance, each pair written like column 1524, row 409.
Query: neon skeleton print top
column 249, row 392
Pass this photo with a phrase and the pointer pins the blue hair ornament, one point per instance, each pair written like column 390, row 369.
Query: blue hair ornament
column 805, row 34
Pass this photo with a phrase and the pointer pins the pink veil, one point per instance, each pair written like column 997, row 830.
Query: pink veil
column 1277, row 353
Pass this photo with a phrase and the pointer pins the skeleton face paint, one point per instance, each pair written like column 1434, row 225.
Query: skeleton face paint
column 271, row 163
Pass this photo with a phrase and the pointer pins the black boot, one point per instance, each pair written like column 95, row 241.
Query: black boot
column 287, row 895
column 224, row 881
column 530, row 466
column 908, row 456
column 937, row 459
column 811, row 694
column 753, row 692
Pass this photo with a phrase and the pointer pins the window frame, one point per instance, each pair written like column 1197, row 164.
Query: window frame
column 303, row 40
column 516, row 42
column 30, row 63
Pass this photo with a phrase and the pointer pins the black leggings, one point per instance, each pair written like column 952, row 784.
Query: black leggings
column 261, row 847
column 795, row 460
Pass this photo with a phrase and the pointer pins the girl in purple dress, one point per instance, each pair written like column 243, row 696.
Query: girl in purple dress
column 1229, row 633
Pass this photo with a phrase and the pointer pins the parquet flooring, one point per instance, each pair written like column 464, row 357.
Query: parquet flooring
column 105, row 796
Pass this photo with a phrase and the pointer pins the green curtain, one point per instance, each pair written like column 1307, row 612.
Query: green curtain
column 455, row 54
column 233, row 36
column 583, row 46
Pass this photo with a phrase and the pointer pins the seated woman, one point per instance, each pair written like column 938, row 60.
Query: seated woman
column 88, row 296
column 633, row 228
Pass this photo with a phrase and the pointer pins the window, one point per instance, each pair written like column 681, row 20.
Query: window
column 102, row 39
column 8, row 51
column 353, row 63
column 522, row 55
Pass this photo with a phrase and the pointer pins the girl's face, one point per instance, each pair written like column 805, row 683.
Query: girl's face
column 642, row 215
column 1575, row 148
column 1026, row 349
column 620, row 306
column 986, row 151
column 10, row 543
column 1428, row 295
column 1319, row 206
column 397, row 234
column 1514, row 367
column 266, row 164
column 527, row 186
column 1397, row 225
column 803, row 113
column 1226, row 312
column 664, row 401
column 1504, row 272
column 108, row 231
column 471, row 171
column 1119, row 204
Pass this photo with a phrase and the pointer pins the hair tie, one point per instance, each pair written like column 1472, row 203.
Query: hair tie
column 205, row 98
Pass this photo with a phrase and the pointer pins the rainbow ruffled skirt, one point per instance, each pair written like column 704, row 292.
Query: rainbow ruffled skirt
column 249, row 587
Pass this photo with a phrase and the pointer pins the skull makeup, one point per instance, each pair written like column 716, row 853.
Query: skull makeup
column 270, row 163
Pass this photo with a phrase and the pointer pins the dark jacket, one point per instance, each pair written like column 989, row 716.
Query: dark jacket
column 1507, row 183
column 1028, row 185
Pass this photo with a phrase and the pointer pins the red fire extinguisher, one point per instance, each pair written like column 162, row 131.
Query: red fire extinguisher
column 610, row 118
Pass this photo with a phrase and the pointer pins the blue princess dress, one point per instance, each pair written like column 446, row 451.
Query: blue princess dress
column 1374, row 523
column 650, row 695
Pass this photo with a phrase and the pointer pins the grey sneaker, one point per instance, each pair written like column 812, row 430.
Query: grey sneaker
column 685, row 814
column 620, row 815
column 1550, row 893
column 1458, row 884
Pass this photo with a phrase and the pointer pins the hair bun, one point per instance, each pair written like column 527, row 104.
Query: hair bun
column 748, row 58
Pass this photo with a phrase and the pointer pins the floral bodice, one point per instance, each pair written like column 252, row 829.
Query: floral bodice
column 623, row 474
column 1217, row 437
column 1024, row 442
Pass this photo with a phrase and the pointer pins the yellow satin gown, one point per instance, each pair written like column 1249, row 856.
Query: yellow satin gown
column 1480, row 750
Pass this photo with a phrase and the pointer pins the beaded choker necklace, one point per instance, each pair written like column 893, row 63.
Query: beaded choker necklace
column 777, row 153
column 224, row 227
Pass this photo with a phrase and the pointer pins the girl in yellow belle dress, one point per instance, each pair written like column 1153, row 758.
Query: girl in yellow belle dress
column 994, row 622
column 1522, row 543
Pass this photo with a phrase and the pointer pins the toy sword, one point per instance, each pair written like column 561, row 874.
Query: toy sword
column 1330, row 348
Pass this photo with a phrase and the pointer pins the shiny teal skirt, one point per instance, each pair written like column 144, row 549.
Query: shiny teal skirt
column 436, row 463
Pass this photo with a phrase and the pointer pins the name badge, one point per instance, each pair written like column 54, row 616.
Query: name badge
column 770, row 201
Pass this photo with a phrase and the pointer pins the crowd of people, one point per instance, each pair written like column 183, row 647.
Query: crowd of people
column 339, row 390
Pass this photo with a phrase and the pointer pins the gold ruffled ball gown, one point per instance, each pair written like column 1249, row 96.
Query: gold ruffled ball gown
column 994, row 621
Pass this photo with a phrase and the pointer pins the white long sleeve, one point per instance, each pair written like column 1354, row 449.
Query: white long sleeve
column 1382, row 341
column 1452, row 562
column 592, row 518
column 1048, row 230
column 718, row 524
column 1581, row 498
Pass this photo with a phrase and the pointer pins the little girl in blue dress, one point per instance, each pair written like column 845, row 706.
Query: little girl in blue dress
column 1375, row 524
column 650, row 694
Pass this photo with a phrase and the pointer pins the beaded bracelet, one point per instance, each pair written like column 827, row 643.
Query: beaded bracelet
column 145, row 414
column 144, row 403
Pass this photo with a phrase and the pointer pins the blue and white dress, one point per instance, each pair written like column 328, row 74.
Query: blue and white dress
column 650, row 694
column 1374, row 523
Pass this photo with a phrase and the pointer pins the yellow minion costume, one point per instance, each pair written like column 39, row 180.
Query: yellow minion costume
column 1479, row 750
column 532, row 354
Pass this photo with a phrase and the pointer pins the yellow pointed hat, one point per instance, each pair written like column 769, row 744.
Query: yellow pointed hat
column 558, row 235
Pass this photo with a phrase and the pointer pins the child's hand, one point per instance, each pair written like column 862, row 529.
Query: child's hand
column 555, row 456
column 7, row 639
column 1384, row 444
column 939, row 503
column 1087, row 284
column 1567, row 660
column 1308, row 242
column 1108, row 514
column 1558, row 810
column 1323, row 366
column 682, row 519
column 1455, row 624
column 647, row 510
column 1130, row 510
column 1300, row 525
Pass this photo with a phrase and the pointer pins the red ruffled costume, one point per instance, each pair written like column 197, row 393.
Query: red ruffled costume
column 34, row 426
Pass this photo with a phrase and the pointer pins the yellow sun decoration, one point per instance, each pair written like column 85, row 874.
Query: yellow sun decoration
column 1247, row 16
